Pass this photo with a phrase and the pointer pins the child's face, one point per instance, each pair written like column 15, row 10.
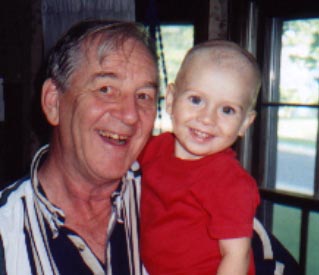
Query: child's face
column 210, row 107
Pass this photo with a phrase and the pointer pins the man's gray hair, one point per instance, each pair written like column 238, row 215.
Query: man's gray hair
column 70, row 49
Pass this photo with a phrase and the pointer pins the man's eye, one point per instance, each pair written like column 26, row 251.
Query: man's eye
column 228, row 110
column 146, row 97
column 107, row 93
column 195, row 99
column 105, row 89
column 143, row 96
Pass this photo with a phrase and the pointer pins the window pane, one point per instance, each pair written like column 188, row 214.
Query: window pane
column 286, row 227
column 296, row 149
column 176, row 41
column 297, row 125
column 299, row 62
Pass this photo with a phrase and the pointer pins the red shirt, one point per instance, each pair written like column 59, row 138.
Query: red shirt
column 188, row 205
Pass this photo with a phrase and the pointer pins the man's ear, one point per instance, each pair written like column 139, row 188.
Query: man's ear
column 170, row 91
column 247, row 122
column 50, row 101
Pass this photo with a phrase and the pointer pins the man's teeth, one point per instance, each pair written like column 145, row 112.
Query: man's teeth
column 112, row 136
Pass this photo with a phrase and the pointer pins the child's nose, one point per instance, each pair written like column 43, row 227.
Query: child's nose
column 208, row 116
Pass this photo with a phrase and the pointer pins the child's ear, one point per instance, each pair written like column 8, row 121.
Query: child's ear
column 50, row 101
column 170, row 90
column 247, row 122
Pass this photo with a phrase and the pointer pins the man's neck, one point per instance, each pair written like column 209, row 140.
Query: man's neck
column 87, row 206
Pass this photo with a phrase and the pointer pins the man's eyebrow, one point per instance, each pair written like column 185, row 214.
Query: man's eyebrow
column 104, row 75
column 151, row 84
column 111, row 75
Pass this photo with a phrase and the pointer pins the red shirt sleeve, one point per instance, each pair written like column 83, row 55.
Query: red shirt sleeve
column 231, row 203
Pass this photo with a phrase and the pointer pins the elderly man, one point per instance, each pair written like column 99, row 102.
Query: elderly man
column 78, row 211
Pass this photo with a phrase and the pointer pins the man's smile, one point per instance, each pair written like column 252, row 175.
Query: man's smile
column 114, row 137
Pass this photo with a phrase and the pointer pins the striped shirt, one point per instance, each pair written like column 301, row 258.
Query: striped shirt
column 33, row 239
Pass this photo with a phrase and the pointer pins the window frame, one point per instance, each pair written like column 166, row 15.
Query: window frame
column 271, row 16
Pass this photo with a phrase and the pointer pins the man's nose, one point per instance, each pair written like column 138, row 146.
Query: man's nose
column 129, row 110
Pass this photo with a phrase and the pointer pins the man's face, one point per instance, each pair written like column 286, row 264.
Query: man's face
column 107, row 113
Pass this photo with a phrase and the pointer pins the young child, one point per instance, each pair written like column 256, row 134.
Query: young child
column 198, row 203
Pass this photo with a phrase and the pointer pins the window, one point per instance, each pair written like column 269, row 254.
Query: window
column 298, row 106
column 288, row 168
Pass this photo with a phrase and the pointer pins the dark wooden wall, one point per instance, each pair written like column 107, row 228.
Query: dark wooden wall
column 18, row 34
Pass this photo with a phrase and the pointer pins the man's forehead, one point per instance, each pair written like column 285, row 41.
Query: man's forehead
column 112, row 60
column 121, row 63
column 101, row 49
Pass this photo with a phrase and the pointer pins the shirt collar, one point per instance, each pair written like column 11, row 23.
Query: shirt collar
column 54, row 215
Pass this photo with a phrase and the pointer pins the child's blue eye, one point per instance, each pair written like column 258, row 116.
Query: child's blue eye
column 195, row 99
column 228, row 110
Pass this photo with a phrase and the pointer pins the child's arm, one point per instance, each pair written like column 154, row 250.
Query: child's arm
column 235, row 256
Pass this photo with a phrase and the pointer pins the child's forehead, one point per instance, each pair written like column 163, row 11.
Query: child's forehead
column 219, row 65
column 221, row 57
column 218, row 61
